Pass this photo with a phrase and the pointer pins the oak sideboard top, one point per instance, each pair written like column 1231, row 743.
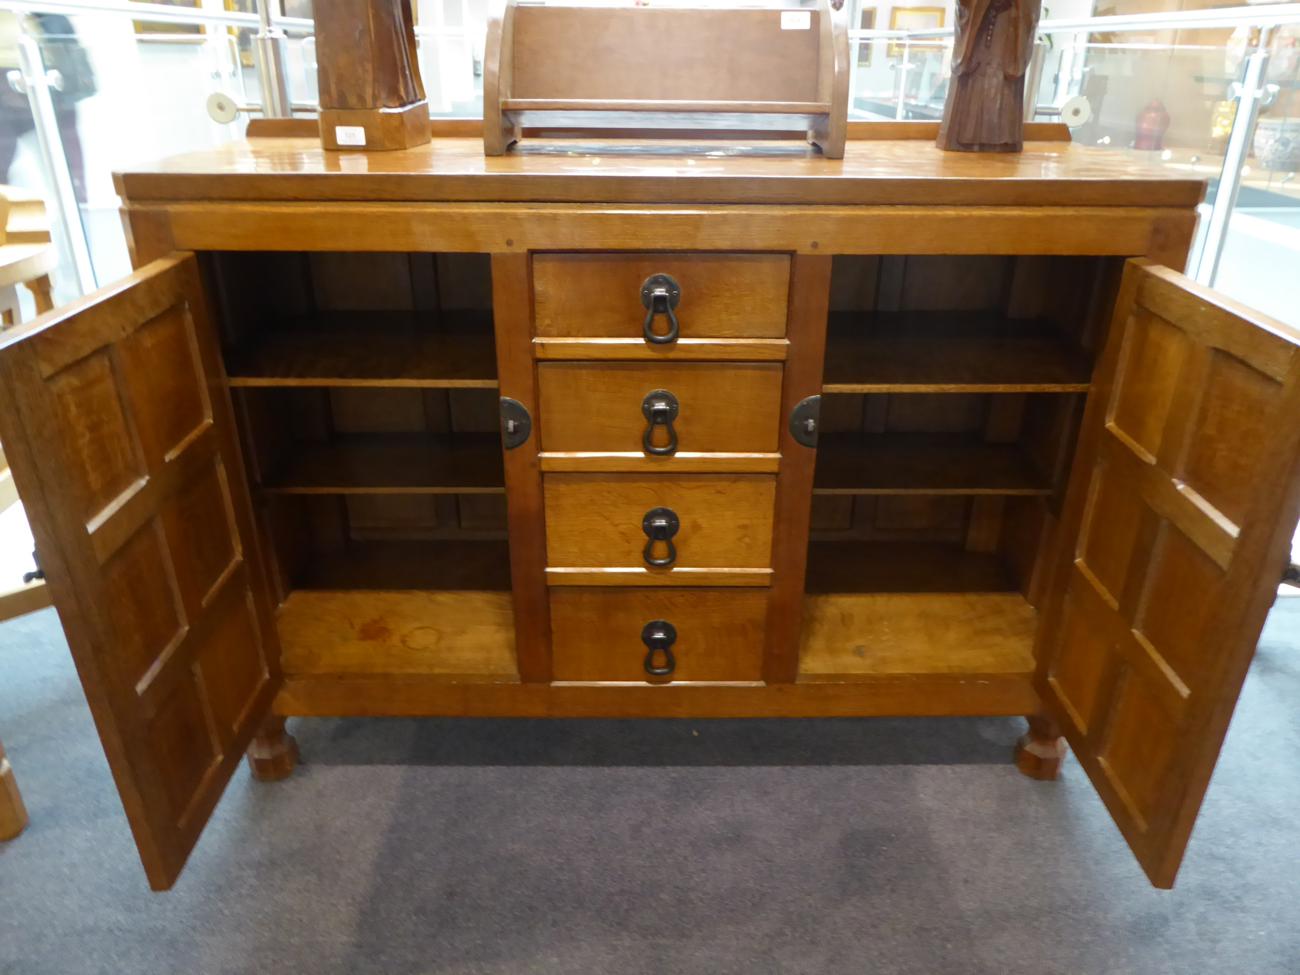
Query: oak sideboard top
column 872, row 172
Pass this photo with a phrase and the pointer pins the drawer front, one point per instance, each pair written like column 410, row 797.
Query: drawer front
column 721, row 295
column 600, row 407
column 597, row 634
column 599, row 521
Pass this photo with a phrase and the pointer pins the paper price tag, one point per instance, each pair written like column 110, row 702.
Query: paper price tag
column 796, row 19
column 350, row 135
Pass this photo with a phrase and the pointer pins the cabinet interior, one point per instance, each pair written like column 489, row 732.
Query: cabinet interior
column 952, row 394
column 366, row 393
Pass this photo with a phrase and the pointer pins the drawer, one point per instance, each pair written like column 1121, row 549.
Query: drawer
column 597, row 523
column 717, row 634
column 721, row 295
column 601, row 407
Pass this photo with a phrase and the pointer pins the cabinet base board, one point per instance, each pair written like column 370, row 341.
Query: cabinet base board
column 930, row 695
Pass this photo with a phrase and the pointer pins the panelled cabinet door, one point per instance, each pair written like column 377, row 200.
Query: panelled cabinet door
column 1182, row 502
column 121, row 440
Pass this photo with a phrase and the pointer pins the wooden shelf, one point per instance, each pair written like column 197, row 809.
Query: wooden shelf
column 861, row 636
column 660, row 105
column 426, row 564
column 931, row 352
column 923, row 464
column 451, row 635
column 903, row 567
column 393, row 464
column 361, row 348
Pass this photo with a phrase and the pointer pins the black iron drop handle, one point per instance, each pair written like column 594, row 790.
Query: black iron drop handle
column 660, row 294
column 660, row 409
column 659, row 637
column 660, row 525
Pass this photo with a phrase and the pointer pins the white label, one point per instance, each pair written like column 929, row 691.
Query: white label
column 796, row 19
column 350, row 135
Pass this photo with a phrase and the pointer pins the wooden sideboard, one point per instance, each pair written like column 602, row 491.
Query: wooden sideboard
column 429, row 433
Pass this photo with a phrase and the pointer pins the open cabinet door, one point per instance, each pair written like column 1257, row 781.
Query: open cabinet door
column 120, row 436
column 1181, row 505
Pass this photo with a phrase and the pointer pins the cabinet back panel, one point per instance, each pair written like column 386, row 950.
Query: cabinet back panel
column 428, row 292
column 1058, row 288
column 988, row 431
column 913, row 517
column 375, row 478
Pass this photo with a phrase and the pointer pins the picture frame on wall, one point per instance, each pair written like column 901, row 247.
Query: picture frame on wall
column 915, row 18
column 160, row 30
column 866, row 21
column 244, row 36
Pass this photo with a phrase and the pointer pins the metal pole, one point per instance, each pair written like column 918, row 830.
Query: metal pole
column 1251, row 91
column 1034, row 79
column 54, row 162
column 271, row 42
column 1064, row 74
column 900, row 113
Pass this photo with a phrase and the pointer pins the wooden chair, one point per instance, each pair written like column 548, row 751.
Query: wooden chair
column 27, row 255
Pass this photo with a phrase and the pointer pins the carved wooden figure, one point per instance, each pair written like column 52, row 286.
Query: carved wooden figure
column 986, row 95
column 371, row 94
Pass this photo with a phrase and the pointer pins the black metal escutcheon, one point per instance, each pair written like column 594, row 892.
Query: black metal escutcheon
column 660, row 525
column 805, row 420
column 516, row 424
column 660, row 409
column 660, row 294
column 659, row 637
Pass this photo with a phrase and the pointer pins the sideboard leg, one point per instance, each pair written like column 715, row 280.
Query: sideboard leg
column 274, row 752
column 1040, row 752
column 13, row 814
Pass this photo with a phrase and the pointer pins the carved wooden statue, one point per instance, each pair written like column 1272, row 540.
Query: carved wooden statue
column 985, row 110
column 371, row 95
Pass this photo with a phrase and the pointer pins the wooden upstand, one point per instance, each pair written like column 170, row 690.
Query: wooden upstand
column 267, row 475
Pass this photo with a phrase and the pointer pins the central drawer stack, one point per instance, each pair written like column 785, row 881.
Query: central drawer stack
column 659, row 411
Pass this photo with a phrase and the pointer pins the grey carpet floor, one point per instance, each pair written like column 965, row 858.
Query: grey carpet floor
column 648, row 847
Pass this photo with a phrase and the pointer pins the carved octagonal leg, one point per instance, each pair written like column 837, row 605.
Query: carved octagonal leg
column 273, row 753
column 13, row 814
column 1040, row 752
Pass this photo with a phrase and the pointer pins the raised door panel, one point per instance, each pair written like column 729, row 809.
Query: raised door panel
column 1182, row 503
column 121, row 439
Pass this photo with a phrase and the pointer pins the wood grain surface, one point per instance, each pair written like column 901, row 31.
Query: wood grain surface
column 722, row 295
column 731, row 408
column 469, row 634
column 875, row 172
column 594, row 520
column 851, row 636
column 597, row 633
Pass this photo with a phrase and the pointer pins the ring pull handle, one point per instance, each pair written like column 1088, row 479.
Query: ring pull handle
column 659, row 637
column 660, row 294
column 660, row 525
column 660, row 409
